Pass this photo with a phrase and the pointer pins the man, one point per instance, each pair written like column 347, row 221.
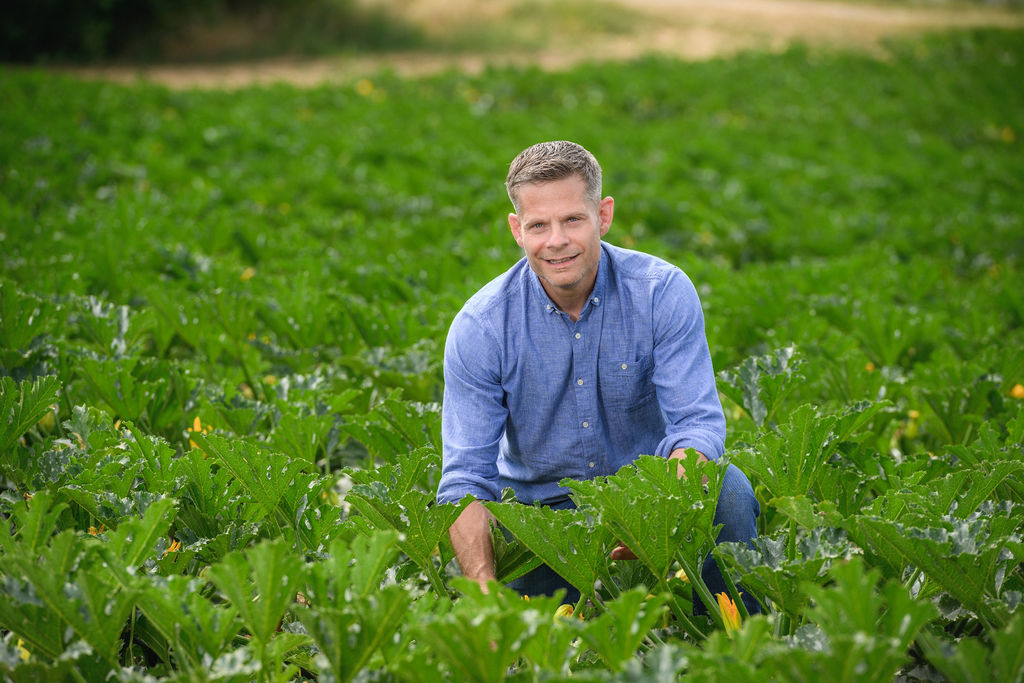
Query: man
column 572, row 363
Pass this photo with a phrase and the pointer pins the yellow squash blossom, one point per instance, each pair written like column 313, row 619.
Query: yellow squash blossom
column 730, row 613
column 197, row 428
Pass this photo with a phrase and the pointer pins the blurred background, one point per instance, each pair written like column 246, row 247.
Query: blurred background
column 116, row 38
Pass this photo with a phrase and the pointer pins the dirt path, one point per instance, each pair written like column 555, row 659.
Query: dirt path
column 691, row 29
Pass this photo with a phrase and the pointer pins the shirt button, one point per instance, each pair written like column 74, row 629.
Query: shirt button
column 591, row 465
column 580, row 381
column 624, row 366
column 577, row 335
column 586, row 424
column 597, row 300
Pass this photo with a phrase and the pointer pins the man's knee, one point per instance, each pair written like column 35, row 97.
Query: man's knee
column 737, row 508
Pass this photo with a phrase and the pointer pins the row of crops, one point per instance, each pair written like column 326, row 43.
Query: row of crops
column 221, row 323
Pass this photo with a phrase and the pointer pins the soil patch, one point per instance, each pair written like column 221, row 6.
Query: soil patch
column 689, row 29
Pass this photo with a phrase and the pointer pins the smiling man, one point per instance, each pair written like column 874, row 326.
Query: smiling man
column 575, row 361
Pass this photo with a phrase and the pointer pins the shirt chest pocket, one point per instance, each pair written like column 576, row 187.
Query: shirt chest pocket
column 626, row 384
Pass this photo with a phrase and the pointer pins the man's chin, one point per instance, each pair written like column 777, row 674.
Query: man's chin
column 563, row 283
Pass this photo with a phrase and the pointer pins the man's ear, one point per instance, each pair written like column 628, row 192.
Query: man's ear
column 516, row 228
column 605, row 211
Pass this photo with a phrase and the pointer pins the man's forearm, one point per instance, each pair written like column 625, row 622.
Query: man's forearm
column 471, row 539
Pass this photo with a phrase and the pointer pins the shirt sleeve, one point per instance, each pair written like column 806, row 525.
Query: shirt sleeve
column 683, row 375
column 474, row 413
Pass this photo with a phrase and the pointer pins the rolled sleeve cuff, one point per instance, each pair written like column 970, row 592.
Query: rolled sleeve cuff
column 454, row 487
column 708, row 443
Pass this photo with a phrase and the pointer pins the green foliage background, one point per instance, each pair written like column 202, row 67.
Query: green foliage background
column 283, row 264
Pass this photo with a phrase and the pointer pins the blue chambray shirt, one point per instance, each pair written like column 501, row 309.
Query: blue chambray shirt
column 531, row 397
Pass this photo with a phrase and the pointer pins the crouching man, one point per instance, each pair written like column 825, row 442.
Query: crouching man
column 575, row 361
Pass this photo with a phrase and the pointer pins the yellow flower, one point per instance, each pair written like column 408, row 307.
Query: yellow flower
column 197, row 428
column 173, row 548
column 563, row 612
column 364, row 87
column 869, row 367
column 681, row 575
column 730, row 613
column 247, row 274
column 1018, row 391
column 93, row 531
column 23, row 651
column 913, row 414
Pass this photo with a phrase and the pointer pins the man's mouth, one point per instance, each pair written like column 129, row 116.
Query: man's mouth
column 561, row 261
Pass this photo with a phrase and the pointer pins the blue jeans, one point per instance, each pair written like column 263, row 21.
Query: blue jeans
column 737, row 511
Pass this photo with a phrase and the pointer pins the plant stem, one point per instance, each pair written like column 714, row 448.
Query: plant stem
column 435, row 579
column 735, row 594
column 702, row 590
column 683, row 618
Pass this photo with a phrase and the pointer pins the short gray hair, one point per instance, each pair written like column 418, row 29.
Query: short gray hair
column 547, row 161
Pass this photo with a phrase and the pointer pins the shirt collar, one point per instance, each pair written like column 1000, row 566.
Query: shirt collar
column 596, row 295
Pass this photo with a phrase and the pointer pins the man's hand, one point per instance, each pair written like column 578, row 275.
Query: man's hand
column 679, row 454
column 622, row 551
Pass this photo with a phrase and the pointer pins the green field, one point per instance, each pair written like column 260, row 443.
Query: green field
column 221, row 324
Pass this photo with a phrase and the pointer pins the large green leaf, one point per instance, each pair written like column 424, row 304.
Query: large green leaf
column 24, row 318
column 22, row 612
column 34, row 522
column 867, row 632
column 1008, row 650
column 512, row 558
column 617, row 633
column 288, row 497
column 261, row 600
column 787, row 461
column 350, row 614
column 196, row 628
column 420, row 522
column 655, row 512
column 568, row 541
column 135, row 540
column 22, row 404
column 80, row 591
column 766, row 569
column 395, row 426
column 416, row 469
column 761, row 383
column 965, row 559
column 484, row 634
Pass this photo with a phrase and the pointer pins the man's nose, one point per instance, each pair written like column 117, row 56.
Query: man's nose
column 558, row 236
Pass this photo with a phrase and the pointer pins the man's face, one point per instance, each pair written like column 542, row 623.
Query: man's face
column 560, row 230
